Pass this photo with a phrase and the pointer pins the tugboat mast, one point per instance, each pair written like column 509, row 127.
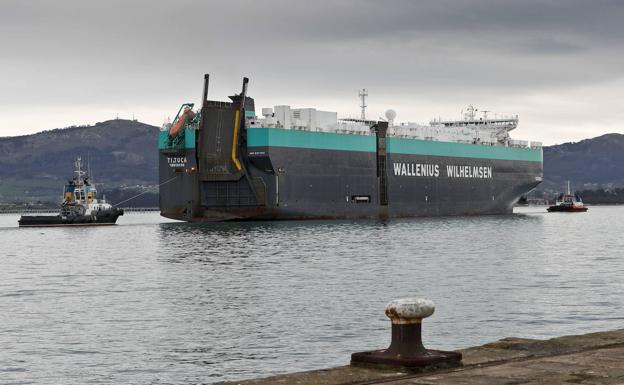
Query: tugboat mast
column 79, row 172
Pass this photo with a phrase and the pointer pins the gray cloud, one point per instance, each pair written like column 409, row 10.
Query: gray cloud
column 91, row 58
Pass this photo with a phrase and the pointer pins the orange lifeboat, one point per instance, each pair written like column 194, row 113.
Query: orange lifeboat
column 187, row 115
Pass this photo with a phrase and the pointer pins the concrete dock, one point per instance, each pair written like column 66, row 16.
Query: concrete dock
column 596, row 358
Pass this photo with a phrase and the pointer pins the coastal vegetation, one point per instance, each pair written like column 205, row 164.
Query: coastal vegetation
column 603, row 196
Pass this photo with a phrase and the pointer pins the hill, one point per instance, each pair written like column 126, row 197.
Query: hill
column 588, row 164
column 121, row 153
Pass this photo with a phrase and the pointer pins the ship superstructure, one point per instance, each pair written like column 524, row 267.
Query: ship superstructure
column 80, row 195
column 484, row 130
column 226, row 162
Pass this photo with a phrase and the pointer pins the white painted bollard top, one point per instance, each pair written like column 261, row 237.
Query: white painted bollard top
column 409, row 310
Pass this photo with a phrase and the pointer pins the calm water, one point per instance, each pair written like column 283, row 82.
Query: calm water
column 148, row 302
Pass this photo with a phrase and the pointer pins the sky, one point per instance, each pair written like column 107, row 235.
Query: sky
column 558, row 64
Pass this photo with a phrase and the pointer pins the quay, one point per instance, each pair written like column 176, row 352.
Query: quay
column 595, row 358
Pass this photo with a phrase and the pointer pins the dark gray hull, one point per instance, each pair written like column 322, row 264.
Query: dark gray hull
column 225, row 170
column 324, row 184
column 102, row 219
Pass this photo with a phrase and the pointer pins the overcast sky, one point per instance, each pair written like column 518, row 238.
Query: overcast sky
column 558, row 64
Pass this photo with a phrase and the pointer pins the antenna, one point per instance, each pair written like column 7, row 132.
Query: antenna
column 78, row 165
column 470, row 114
column 89, row 164
column 568, row 187
column 363, row 94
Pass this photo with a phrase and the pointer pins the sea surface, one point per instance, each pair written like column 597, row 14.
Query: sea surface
column 150, row 301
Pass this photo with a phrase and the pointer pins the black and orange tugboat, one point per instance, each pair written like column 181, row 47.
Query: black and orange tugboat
column 80, row 206
column 569, row 203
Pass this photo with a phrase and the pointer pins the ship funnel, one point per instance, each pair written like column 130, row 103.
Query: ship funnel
column 244, row 91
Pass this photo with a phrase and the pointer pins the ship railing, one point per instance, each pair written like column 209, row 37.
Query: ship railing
column 524, row 144
column 518, row 143
column 140, row 209
column 219, row 104
column 351, row 132
column 194, row 125
column 56, row 210
column 504, row 120
column 490, row 143
column 28, row 211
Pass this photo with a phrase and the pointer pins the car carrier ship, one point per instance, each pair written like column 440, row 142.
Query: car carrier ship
column 224, row 162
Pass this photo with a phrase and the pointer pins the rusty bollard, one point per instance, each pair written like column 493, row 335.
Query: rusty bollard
column 406, row 347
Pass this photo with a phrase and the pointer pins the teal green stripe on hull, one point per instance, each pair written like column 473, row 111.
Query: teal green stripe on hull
column 277, row 137
column 189, row 139
column 462, row 150
column 162, row 139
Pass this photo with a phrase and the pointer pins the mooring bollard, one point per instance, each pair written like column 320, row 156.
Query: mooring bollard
column 406, row 347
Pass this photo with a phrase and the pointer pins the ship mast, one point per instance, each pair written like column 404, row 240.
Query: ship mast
column 363, row 94
column 569, row 188
column 78, row 164
column 89, row 167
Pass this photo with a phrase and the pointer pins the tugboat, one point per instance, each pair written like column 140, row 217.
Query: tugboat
column 79, row 207
column 568, row 203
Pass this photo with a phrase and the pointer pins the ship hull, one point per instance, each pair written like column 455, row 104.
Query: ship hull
column 342, row 183
column 102, row 219
column 566, row 209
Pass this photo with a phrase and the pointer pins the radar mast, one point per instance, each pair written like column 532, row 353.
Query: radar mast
column 363, row 94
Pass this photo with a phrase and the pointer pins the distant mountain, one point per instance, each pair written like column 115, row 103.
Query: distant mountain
column 590, row 163
column 120, row 153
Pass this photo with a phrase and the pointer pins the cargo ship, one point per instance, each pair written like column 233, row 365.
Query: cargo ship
column 225, row 162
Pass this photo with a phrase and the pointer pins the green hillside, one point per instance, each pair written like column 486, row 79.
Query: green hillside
column 121, row 153
column 588, row 164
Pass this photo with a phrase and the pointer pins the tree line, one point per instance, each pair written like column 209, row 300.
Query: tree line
column 603, row 196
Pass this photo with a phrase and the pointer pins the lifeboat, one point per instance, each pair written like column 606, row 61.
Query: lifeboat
column 187, row 116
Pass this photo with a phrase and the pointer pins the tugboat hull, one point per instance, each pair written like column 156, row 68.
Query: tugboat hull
column 101, row 219
column 563, row 209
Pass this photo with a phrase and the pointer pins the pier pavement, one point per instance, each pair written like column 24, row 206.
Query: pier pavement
column 596, row 358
